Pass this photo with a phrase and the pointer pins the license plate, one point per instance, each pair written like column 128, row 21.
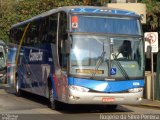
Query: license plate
column 107, row 99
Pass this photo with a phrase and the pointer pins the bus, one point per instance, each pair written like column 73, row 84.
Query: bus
column 81, row 55
column 3, row 70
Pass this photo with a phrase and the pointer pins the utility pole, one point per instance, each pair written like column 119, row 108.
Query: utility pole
column 1, row 10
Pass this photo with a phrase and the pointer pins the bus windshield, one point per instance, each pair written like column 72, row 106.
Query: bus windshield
column 103, row 56
column 105, row 24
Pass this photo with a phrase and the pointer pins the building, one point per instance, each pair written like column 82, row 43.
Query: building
column 130, row 5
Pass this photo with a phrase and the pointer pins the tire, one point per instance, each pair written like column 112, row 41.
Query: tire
column 53, row 104
column 18, row 91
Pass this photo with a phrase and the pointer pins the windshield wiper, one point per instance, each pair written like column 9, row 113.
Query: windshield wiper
column 98, row 63
column 122, row 70
column 124, row 73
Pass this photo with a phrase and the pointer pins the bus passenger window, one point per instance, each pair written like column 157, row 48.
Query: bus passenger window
column 52, row 29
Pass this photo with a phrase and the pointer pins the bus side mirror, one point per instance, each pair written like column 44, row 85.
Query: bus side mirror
column 148, row 53
column 68, row 46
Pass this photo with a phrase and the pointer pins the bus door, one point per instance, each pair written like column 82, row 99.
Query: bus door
column 60, row 59
column 62, row 36
column 24, row 74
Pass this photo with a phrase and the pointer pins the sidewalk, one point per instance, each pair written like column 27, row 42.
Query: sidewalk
column 7, row 88
column 150, row 103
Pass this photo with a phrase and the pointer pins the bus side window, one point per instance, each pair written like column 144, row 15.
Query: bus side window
column 44, row 30
column 18, row 32
column 32, row 34
column 52, row 29
column 62, row 37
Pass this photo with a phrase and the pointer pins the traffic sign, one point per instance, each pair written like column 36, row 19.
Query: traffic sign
column 151, row 39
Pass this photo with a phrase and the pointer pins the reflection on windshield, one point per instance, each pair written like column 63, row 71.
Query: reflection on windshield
column 97, row 56
column 86, row 50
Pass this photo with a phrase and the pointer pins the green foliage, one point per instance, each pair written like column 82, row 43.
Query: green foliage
column 153, row 12
column 7, row 17
column 14, row 11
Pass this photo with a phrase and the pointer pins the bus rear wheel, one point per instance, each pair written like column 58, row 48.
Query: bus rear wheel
column 53, row 103
column 18, row 91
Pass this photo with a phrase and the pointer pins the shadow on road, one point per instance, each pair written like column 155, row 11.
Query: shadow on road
column 76, row 109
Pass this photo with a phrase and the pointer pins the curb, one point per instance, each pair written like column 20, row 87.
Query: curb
column 150, row 105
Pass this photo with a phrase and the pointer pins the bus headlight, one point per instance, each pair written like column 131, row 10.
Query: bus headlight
column 134, row 90
column 78, row 88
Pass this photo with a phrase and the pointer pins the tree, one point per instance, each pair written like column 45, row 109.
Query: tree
column 7, row 17
column 14, row 11
column 153, row 13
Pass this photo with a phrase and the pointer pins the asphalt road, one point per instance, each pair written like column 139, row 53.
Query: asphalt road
column 32, row 107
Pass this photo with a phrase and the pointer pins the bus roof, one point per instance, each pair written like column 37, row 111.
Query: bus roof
column 80, row 9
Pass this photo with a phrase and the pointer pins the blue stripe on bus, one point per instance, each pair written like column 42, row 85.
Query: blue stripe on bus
column 106, row 86
column 107, row 11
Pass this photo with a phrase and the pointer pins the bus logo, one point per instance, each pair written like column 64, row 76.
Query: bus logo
column 35, row 56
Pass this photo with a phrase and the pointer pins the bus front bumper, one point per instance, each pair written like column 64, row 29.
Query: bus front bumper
column 76, row 97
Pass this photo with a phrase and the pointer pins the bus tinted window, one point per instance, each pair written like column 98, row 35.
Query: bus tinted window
column 16, row 34
column 103, row 24
column 62, row 37
column 42, row 31
column 31, row 37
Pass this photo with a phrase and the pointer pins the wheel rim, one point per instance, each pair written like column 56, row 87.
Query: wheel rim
column 17, row 85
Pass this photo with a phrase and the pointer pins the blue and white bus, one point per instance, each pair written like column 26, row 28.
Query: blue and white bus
column 81, row 55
